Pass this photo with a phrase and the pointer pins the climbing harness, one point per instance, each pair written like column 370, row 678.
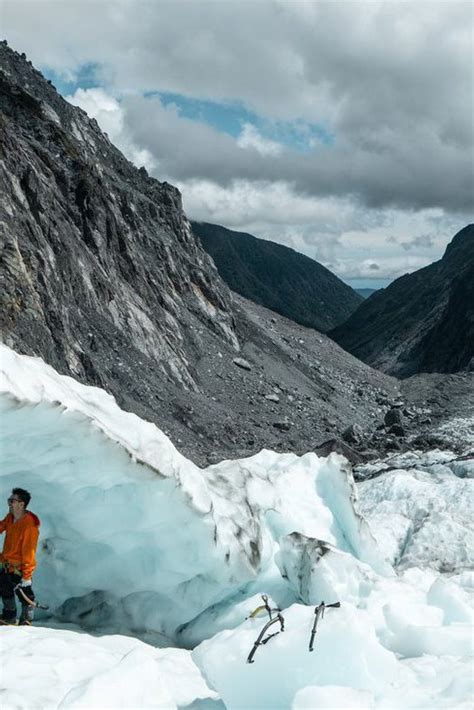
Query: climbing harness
column 319, row 614
column 261, row 641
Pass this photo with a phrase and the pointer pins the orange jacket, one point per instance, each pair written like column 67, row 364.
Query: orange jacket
column 21, row 539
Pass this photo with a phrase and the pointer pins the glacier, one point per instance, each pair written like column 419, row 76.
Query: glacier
column 152, row 566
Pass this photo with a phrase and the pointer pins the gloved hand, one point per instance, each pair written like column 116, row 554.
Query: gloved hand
column 25, row 588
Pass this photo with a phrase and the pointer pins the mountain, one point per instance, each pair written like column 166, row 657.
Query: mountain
column 422, row 322
column 278, row 277
column 103, row 278
column 365, row 292
column 98, row 257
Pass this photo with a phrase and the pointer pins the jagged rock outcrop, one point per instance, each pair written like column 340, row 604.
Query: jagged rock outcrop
column 422, row 322
column 101, row 273
column 278, row 277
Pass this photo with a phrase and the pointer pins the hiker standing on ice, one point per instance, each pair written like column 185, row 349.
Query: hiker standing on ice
column 17, row 561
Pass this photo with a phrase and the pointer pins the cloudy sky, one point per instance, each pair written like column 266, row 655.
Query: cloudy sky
column 342, row 129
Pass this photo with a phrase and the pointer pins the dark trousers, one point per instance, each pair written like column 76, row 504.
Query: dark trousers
column 8, row 582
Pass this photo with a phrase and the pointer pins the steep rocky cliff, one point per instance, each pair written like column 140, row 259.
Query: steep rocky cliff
column 422, row 322
column 278, row 277
column 101, row 273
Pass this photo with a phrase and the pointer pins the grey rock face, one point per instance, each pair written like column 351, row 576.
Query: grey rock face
column 101, row 273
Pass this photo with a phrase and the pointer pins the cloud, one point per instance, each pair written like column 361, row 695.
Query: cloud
column 251, row 138
column 423, row 240
column 392, row 268
column 338, row 232
column 389, row 82
column 417, row 176
column 108, row 113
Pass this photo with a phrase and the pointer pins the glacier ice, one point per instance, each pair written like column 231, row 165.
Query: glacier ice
column 139, row 534
column 138, row 540
column 44, row 668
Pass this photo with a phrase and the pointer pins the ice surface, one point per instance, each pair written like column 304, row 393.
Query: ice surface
column 44, row 669
column 137, row 540
column 347, row 653
column 331, row 696
column 138, row 537
column 423, row 517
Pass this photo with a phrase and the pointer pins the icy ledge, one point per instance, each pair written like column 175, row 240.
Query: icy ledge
column 136, row 538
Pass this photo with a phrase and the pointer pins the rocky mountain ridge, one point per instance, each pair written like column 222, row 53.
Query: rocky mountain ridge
column 423, row 321
column 97, row 255
column 278, row 277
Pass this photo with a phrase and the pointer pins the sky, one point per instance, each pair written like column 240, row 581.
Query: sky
column 341, row 129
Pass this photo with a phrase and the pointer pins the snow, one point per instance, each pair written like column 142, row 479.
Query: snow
column 139, row 543
column 286, row 657
column 47, row 669
column 331, row 696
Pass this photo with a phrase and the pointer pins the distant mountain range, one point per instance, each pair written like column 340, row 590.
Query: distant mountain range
column 278, row 277
column 365, row 292
column 422, row 322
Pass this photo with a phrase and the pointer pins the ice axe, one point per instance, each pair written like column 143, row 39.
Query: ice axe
column 319, row 614
column 30, row 602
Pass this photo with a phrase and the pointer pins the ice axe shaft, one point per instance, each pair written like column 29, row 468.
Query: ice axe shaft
column 30, row 602
column 319, row 614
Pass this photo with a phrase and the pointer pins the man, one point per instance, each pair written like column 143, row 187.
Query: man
column 17, row 561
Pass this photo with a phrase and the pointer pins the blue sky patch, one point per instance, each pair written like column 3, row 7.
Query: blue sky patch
column 230, row 117
column 227, row 117
column 85, row 78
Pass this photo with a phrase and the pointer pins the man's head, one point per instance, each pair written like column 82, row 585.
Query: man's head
column 18, row 501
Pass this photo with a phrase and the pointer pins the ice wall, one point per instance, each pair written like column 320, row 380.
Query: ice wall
column 136, row 537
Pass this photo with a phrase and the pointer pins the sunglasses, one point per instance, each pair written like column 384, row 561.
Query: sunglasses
column 14, row 500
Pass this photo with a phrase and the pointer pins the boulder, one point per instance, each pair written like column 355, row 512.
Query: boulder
column 339, row 446
column 393, row 416
column 272, row 397
column 284, row 425
column 397, row 430
column 240, row 362
column 353, row 434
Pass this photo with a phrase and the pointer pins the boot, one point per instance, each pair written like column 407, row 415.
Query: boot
column 27, row 615
column 8, row 617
